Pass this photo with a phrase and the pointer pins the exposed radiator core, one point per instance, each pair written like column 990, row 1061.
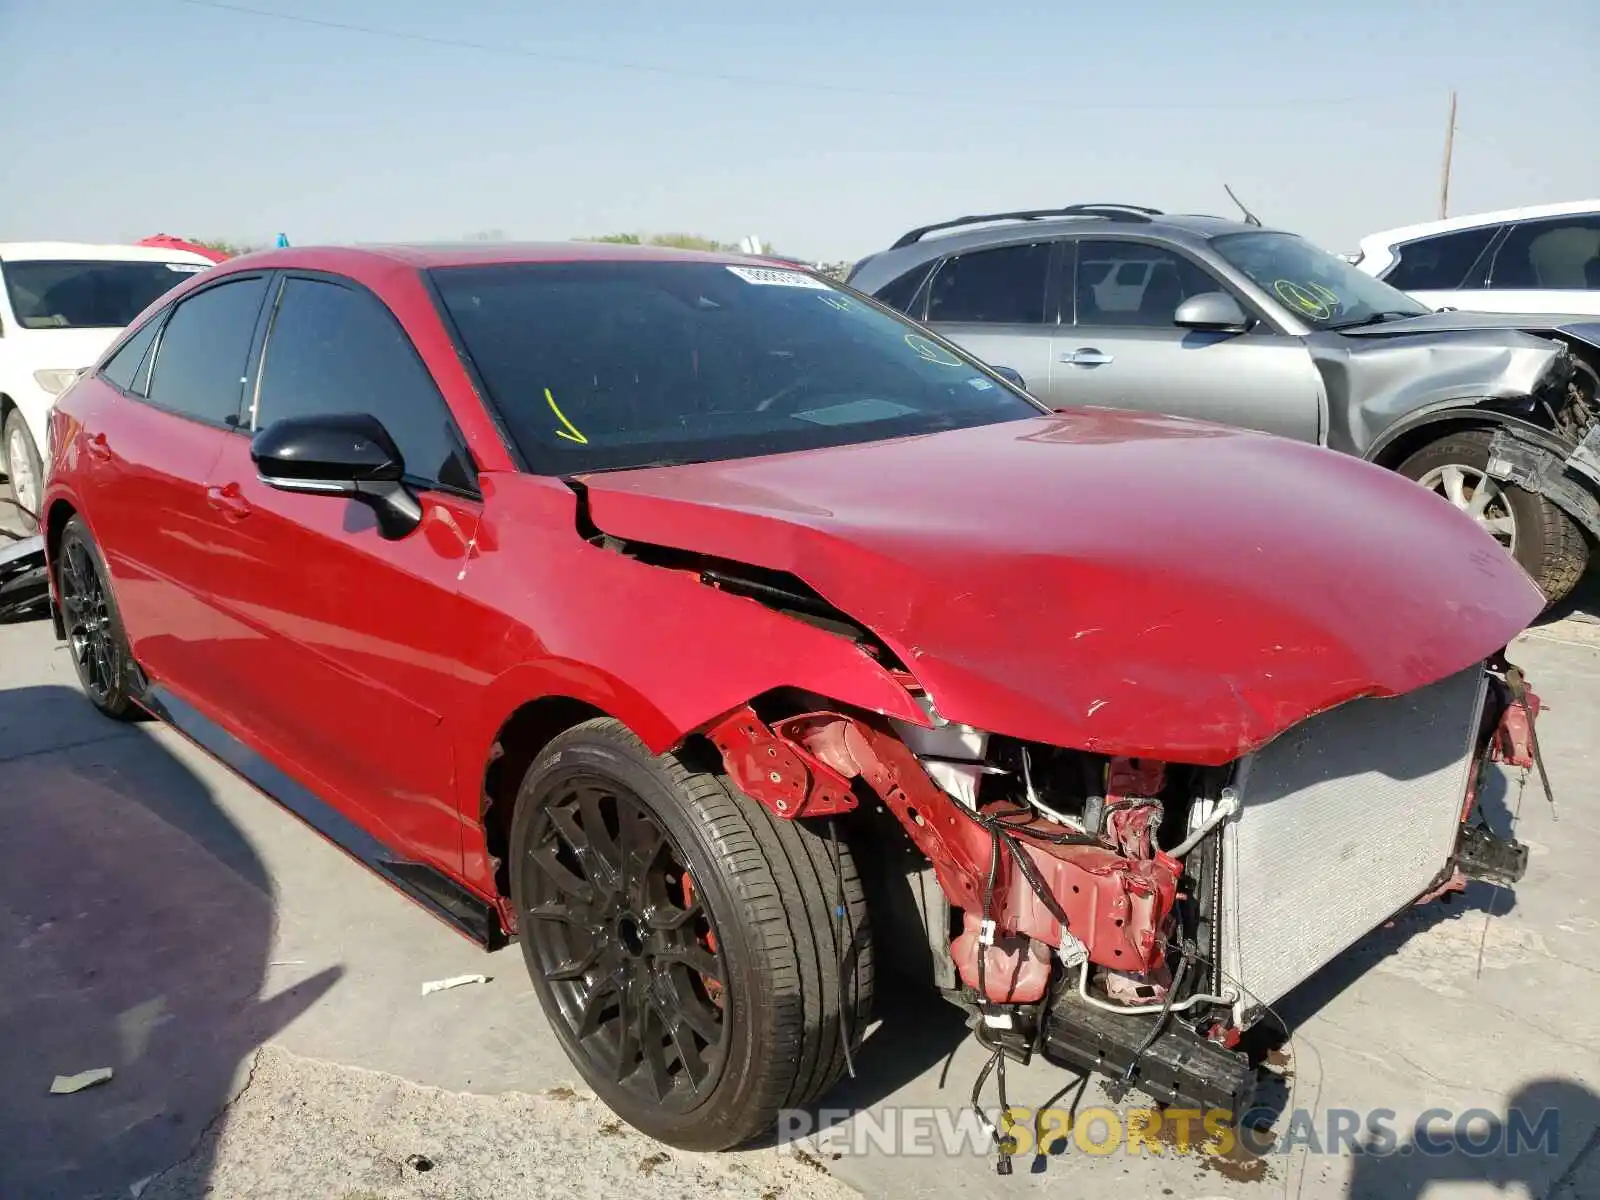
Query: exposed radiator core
column 1346, row 819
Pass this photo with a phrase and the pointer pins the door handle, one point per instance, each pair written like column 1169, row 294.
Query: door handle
column 1087, row 356
column 229, row 501
column 98, row 448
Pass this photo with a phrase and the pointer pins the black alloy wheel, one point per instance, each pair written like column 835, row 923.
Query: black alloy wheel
column 703, row 963
column 624, row 943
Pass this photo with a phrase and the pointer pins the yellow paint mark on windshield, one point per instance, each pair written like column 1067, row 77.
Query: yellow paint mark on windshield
column 572, row 433
column 931, row 351
column 1306, row 300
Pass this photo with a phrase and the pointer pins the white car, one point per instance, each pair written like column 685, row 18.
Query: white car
column 1523, row 260
column 61, row 304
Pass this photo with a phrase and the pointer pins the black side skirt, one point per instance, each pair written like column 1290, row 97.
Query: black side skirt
column 429, row 887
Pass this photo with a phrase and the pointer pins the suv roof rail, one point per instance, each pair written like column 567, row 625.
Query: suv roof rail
column 1105, row 211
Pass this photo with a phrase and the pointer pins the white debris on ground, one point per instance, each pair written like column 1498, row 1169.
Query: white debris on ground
column 455, row 981
column 65, row 1085
column 303, row 1127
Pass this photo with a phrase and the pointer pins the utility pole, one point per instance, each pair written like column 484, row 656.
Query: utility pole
column 1449, row 147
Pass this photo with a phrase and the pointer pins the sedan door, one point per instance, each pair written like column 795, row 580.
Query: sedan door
column 1124, row 351
column 353, row 661
column 156, row 419
column 996, row 303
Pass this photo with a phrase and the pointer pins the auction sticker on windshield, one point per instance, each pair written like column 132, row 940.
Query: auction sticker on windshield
column 773, row 277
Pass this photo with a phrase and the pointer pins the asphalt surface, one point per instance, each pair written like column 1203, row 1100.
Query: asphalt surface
column 258, row 996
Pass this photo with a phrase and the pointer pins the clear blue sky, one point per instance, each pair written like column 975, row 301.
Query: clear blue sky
column 854, row 119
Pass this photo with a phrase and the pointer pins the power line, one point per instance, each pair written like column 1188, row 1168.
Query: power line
column 766, row 81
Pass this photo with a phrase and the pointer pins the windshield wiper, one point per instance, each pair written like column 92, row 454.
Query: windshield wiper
column 1377, row 318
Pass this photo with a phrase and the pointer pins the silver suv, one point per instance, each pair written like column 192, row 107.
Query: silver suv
column 1121, row 306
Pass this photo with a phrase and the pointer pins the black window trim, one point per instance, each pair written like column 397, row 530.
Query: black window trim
column 250, row 409
column 1263, row 319
column 924, row 296
column 146, row 367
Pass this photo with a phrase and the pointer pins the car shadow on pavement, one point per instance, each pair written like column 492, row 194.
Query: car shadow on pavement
column 136, row 925
column 1547, row 1140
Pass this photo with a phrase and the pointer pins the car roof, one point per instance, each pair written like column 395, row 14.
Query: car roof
column 425, row 256
column 95, row 251
column 1405, row 233
column 1187, row 228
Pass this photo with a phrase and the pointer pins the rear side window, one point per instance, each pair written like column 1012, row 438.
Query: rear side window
column 124, row 364
column 899, row 293
column 334, row 349
column 1442, row 263
column 200, row 360
column 1558, row 252
column 1003, row 286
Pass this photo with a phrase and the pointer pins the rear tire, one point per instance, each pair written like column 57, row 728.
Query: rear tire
column 95, row 635
column 23, row 468
column 754, row 997
column 1548, row 544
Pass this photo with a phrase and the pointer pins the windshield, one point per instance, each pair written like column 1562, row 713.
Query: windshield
column 48, row 294
column 1321, row 289
column 606, row 365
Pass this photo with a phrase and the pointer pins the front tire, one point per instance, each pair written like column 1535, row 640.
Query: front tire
column 682, row 941
column 1547, row 543
column 95, row 636
column 23, row 468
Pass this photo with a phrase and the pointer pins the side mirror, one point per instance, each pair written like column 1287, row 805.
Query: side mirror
column 1010, row 375
column 1217, row 312
column 340, row 454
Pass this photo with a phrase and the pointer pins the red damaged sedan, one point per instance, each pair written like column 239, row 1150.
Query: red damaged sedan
column 726, row 638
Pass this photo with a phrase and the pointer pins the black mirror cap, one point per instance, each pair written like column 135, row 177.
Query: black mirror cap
column 1213, row 311
column 337, row 448
column 1010, row 375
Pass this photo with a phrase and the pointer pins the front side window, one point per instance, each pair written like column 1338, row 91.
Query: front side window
column 1561, row 253
column 1003, row 286
column 606, row 365
column 333, row 349
column 1316, row 287
column 1134, row 283
column 1440, row 263
column 52, row 294
column 203, row 350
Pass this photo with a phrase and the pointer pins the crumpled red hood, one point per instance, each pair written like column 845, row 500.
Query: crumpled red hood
column 1116, row 582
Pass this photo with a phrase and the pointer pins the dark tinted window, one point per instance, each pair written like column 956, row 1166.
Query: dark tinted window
column 201, row 358
column 124, row 364
column 88, row 295
column 1558, row 252
column 901, row 292
column 1440, row 263
column 1003, row 286
column 1131, row 283
column 598, row 365
column 334, row 349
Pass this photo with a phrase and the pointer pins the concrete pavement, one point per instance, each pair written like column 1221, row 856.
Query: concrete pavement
column 160, row 917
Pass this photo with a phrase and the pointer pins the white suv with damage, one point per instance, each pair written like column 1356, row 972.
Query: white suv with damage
column 61, row 305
